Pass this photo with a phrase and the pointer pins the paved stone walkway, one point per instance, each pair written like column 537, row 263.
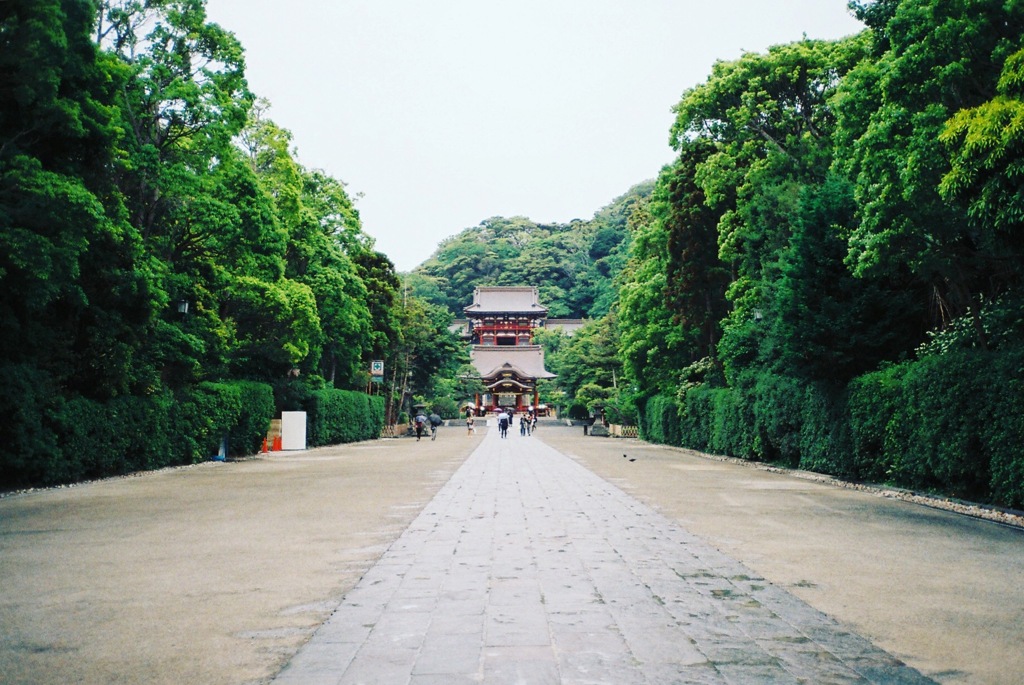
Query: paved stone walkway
column 527, row 568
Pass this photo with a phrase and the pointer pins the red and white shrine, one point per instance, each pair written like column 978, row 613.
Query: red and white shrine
column 500, row 325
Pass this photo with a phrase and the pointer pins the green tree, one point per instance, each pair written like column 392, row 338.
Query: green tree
column 203, row 218
column 652, row 344
column 986, row 144
column 824, row 324
column 696, row 278
column 184, row 100
column 454, row 390
column 77, row 297
column 426, row 354
column 76, row 293
column 271, row 326
column 769, row 121
column 377, row 273
column 935, row 59
column 589, row 356
column 320, row 256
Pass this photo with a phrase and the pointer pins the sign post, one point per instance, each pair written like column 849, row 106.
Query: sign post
column 377, row 371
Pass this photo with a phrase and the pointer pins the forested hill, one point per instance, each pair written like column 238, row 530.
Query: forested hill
column 572, row 264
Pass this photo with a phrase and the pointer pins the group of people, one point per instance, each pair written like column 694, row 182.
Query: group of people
column 527, row 422
column 506, row 418
column 421, row 421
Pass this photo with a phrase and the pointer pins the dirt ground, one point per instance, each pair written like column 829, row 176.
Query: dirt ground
column 212, row 574
column 217, row 573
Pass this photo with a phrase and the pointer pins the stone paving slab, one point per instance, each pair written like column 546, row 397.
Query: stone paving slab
column 528, row 568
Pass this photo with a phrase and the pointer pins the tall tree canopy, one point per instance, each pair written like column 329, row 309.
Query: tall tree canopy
column 858, row 203
column 157, row 231
column 893, row 112
column 76, row 297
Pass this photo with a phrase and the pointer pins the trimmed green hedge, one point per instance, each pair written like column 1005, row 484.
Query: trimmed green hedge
column 242, row 410
column 778, row 414
column 826, row 444
column 250, row 429
column 716, row 420
column 951, row 424
column 126, row 434
column 873, row 399
column 63, row 441
column 659, row 420
column 30, row 454
column 338, row 416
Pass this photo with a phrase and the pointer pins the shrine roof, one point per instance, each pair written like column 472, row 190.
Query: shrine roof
column 526, row 361
column 568, row 326
column 493, row 299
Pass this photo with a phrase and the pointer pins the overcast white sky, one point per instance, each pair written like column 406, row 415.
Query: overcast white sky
column 440, row 114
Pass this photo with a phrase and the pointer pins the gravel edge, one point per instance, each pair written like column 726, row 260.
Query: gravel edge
column 1006, row 517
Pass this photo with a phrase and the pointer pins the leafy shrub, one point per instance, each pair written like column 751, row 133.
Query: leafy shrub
column 89, row 444
column 257, row 409
column 948, row 423
column 31, row 454
column 578, row 412
column 125, row 434
column 717, row 420
column 935, row 432
column 696, row 416
column 445, row 407
column 340, row 416
column 205, row 414
column 659, row 420
column 873, row 400
column 621, row 409
column 733, row 429
column 377, row 415
column 148, row 430
column 1002, row 440
column 825, row 442
column 778, row 415
column 79, row 438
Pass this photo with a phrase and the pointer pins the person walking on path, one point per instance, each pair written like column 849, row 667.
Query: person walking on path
column 470, row 428
column 503, row 419
column 524, row 425
column 435, row 421
column 421, row 422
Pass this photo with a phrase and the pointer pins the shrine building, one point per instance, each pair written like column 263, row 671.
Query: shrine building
column 500, row 325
